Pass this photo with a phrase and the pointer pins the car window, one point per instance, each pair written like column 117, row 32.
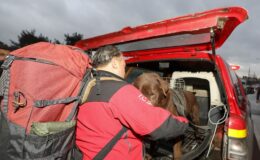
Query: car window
column 166, row 41
column 236, row 85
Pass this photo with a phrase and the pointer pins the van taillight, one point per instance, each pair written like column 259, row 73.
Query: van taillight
column 236, row 133
column 236, row 127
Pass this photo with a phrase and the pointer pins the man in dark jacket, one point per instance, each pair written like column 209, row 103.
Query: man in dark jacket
column 112, row 104
column 258, row 94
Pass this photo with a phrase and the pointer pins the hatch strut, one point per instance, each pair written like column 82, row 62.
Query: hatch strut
column 212, row 41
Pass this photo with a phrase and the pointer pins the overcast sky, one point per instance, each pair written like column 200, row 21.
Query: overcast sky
column 54, row 18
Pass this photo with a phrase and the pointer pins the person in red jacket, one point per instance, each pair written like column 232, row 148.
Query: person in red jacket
column 112, row 104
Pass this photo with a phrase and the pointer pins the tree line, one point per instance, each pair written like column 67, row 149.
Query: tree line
column 27, row 37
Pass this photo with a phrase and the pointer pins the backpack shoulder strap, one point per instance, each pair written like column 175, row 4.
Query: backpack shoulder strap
column 91, row 83
column 108, row 147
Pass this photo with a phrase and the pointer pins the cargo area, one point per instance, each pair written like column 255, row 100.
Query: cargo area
column 201, row 78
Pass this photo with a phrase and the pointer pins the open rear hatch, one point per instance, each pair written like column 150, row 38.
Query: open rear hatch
column 203, row 31
column 192, row 32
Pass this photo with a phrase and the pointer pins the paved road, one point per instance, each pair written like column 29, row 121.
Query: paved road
column 255, row 109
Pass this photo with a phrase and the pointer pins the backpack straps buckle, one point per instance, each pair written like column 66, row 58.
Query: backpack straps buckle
column 19, row 100
column 8, row 61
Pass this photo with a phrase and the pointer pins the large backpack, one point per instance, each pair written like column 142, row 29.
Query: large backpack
column 41, row 88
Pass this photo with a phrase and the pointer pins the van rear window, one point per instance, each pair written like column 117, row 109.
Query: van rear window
column 164, row 42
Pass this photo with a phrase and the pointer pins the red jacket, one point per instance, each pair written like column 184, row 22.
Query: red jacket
column 119, row 103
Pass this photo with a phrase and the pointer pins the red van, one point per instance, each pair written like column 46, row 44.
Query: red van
column 183, row 51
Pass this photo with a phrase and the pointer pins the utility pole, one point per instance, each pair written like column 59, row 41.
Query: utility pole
column 248, row 72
